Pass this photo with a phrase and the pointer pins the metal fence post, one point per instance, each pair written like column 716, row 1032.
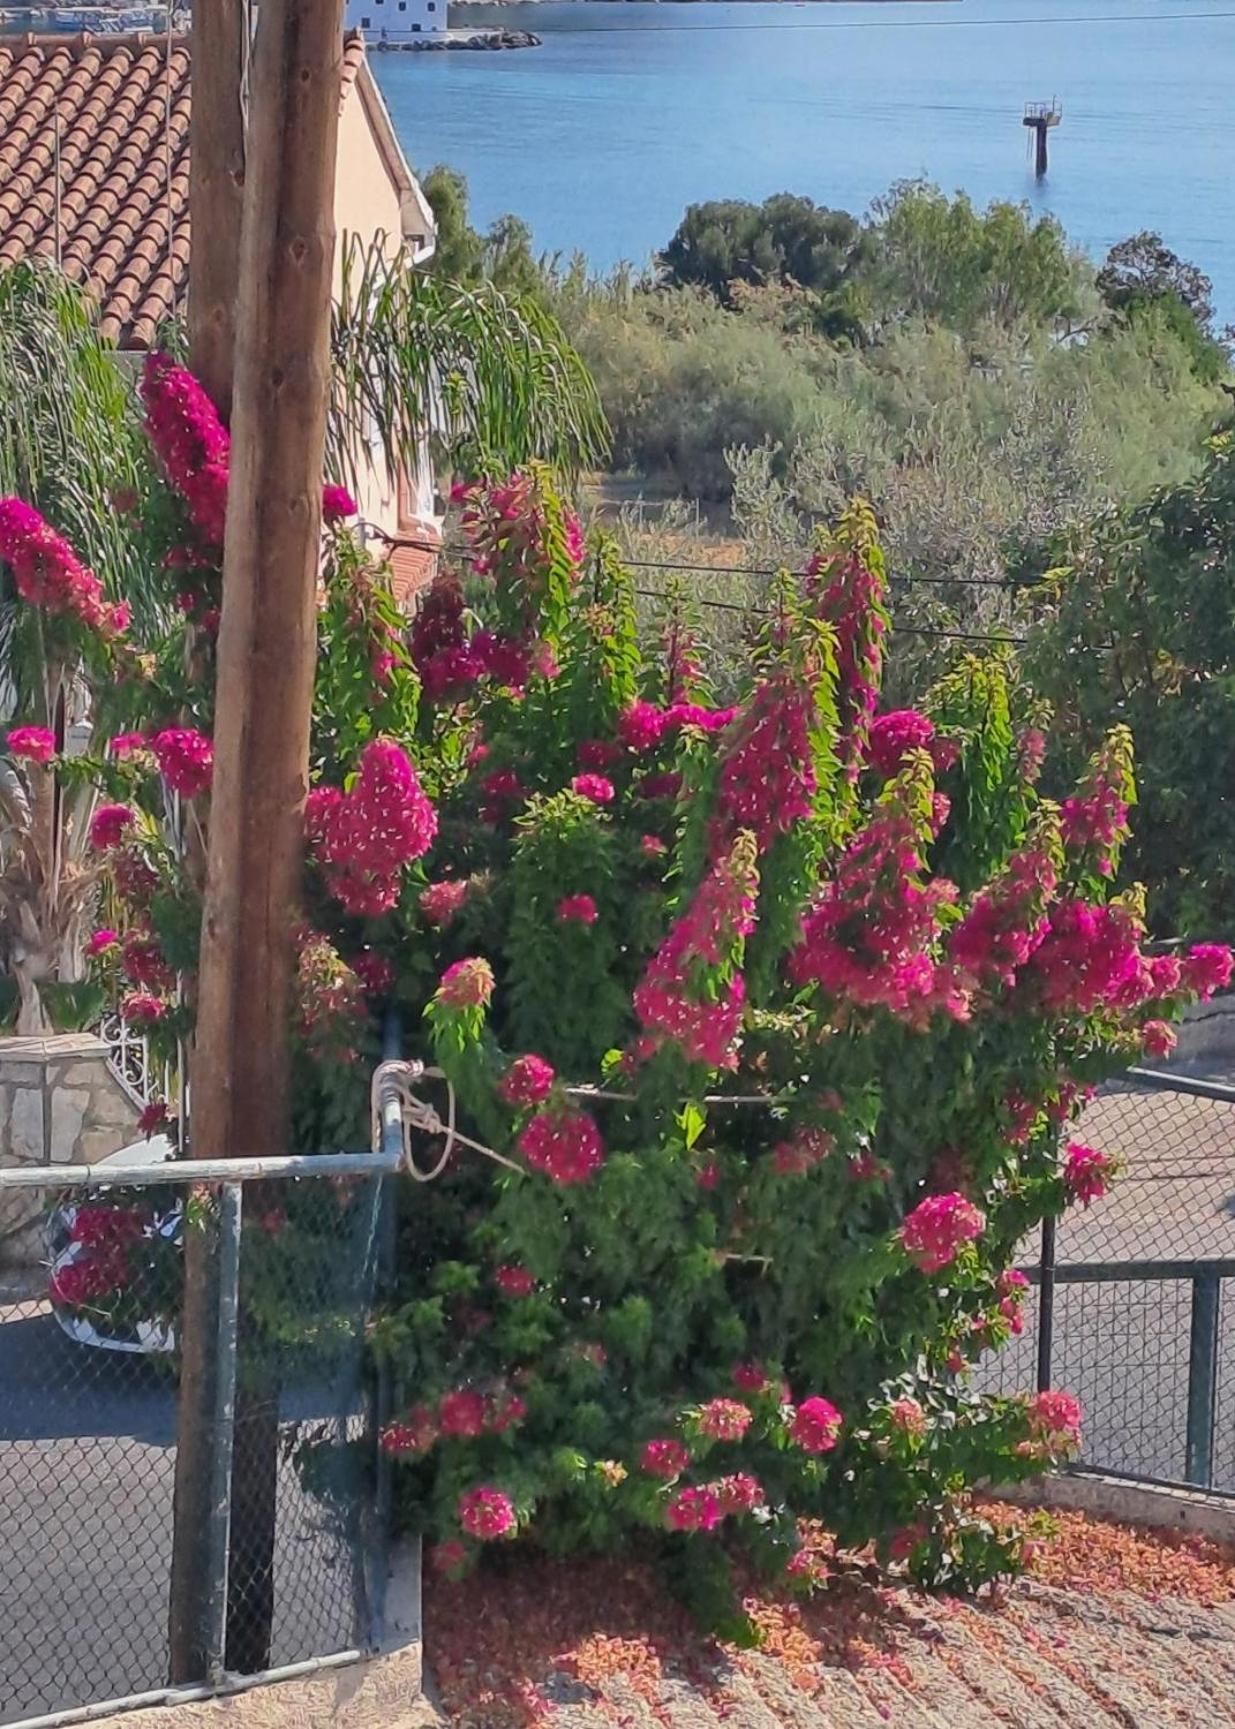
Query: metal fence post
column 383, row 1392
column 1202, row 1378
column 1046, row 1307
column 231, row 1216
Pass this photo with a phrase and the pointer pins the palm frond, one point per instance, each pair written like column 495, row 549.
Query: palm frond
column 69, row 434
column 487, row 378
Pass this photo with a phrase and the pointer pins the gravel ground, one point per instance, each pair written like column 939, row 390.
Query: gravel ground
column 1116, row 1629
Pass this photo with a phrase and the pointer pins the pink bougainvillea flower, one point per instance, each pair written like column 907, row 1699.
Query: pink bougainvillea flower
column 528, row 1081
column 364, row 837
column 651, row 846
column 514, row 1281
column 694, row 1510
column 34, row 743
column 904, row 1540
column 767, row 776
column 102, row 942
column 664, row 1458
column 738, row 1493
column 593, row 787
column 724, row 1419
column 816, row 1425
column 804, row 1149
column 47, row 573
column 907, row 1416
column 144, row 964
column 466, row 984
column 642, row 726
column 1055, row 1413
column 486, row 1514
column 337, row 503
column 185, row 758
column 935, row 1231
column 503, row 1411
column 128, row 744
column 411, row 1436
column 108, row 825
column 140, row 1009
column 894, row 735
column 103, row 1227
column 442, row 901
column 375, row 972
column 564, row 1143
column 1158, row 1039
column 751, row 1377
column 596, row 753
column 191, row 442
column 462, row 1414
column 1207, row 968
column 670, row 1000
column 1087, row 1172
column 577, row 909
column 153, row 1119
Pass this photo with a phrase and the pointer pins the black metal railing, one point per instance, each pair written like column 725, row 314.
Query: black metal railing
column 1132, row 1311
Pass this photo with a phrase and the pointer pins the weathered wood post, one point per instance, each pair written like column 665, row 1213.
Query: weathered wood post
column 267, row 645
column 220, row 52
column 219, row 49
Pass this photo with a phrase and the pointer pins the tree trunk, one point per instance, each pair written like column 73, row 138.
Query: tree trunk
column 220, row 48
column 267, row 646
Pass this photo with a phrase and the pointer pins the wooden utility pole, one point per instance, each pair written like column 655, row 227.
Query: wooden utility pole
column 219, row 54
column 219, row 57
column 266, row 654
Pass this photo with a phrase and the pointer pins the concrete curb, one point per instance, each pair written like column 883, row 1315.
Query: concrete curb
column 1162, row 1509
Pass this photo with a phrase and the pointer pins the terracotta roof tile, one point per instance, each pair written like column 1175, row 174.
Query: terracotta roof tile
column 115, row 110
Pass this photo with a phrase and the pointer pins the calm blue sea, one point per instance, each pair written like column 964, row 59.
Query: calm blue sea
column 629, row 112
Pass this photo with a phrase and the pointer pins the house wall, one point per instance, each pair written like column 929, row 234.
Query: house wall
column 369, row 203
column 366, row 204
column 396, row 20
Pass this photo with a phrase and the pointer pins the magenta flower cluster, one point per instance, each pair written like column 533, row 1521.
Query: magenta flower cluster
column 364, row 837
column 48, row 574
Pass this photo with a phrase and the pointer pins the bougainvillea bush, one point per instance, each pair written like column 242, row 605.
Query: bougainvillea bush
column 770, row 1021
column 777, row 1017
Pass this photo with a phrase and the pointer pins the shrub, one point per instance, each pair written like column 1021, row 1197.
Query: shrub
column 769, row 1120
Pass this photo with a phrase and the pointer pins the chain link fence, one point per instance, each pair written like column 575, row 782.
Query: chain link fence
column 92, row 1290
column 1134, row 1310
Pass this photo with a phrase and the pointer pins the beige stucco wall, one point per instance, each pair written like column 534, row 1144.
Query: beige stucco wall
column 366, row 204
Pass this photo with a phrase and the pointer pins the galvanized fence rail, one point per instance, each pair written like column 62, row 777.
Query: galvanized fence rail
column 1134, row 1309
column 90, row 1290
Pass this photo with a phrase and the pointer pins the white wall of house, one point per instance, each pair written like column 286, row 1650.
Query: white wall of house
column 395, row 20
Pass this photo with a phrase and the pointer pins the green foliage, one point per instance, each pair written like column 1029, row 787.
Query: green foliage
column 743, row 1203
column 481, row 371
column 1134, row 618
column 783, row 240
column 939, row 258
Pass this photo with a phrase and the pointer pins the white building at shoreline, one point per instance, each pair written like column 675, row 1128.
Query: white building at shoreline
column 395, row 20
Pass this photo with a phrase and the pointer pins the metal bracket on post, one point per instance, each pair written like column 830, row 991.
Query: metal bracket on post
column 1046, row 1307
column 1202, row 1378
column 231, row 1218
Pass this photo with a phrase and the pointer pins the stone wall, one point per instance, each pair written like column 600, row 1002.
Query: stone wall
column 60, row 1104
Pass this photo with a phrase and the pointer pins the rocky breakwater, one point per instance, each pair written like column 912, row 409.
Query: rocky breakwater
column 472, row 40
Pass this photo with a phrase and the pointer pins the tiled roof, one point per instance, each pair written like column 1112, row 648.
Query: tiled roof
column 413, row 560
column 115, row 109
